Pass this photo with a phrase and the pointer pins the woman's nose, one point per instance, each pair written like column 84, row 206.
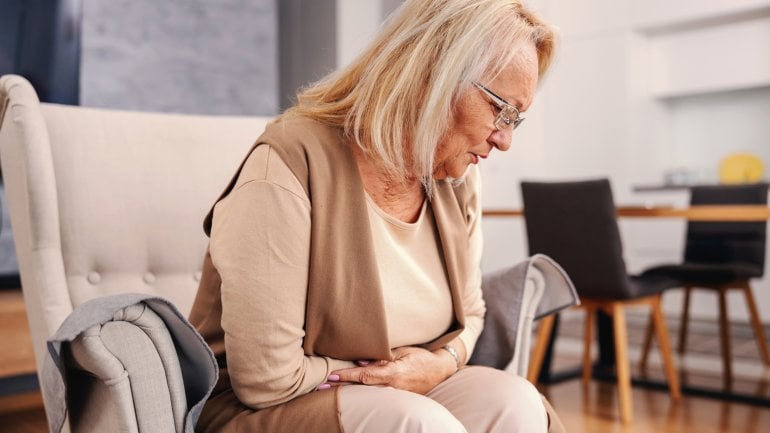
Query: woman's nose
column 501, row 139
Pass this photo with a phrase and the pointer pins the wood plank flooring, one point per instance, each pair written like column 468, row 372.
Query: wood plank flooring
column 593, row 409
column 16, row 354
column 23, row 413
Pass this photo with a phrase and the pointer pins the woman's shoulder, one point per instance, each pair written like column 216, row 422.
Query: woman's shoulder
column 314, row 151
column 265, row 165
column 291, row 128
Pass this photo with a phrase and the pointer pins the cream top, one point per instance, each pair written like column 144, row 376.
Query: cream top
column 265, row 274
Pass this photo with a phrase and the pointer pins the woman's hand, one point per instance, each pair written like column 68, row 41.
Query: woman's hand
column 412, row 369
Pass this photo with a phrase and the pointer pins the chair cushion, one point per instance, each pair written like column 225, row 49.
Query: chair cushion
column 705, row 274
column 640, row 286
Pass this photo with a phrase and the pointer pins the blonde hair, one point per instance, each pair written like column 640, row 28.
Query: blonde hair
column 395, row 100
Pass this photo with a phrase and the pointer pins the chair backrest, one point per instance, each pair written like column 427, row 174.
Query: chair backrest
column 106, row 202
column 575, row 223
column 741, row 243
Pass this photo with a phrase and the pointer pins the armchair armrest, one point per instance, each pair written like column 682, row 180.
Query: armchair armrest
column 126, row 376
column 515, row 297
column 127, row 363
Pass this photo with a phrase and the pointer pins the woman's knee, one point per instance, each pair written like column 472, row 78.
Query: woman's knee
column 495, row 400
column 516, row 399
column 367, row 409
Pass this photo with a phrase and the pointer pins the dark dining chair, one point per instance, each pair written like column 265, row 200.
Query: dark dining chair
column 575, row 224
column 721, row 256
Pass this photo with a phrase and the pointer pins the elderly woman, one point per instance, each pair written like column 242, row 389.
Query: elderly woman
column 341, row 291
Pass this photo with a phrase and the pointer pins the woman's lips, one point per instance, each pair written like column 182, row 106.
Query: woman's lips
column 477, row 156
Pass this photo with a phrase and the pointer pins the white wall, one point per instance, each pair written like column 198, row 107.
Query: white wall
column 357, row 22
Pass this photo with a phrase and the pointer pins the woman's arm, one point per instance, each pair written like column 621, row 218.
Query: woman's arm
column 260, row 245
column 419, row 370
column 473, row 302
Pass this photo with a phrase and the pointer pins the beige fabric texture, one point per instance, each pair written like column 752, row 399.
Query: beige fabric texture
column 345, row 314
column 267, row 265
column 134, row 359
column 406, row 261
column 106, row 361
column 105, row 202
column 140, row 368
column 473, row 400
column 262, row 325
column 139, row 316
column 417, row 298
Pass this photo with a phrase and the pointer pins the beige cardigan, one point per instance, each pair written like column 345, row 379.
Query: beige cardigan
column 343, row 284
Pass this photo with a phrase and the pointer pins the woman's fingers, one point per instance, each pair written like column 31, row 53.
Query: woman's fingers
column 372, row 374
column 332, row 381
column 413, row 369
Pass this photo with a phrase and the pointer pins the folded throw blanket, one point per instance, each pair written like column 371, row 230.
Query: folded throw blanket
column 514, row 297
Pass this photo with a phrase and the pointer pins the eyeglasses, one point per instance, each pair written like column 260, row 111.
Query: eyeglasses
column 508, row 115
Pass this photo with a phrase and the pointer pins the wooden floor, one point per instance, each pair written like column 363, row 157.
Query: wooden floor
column 22, row 414
column 16, row 355
column 593, row 409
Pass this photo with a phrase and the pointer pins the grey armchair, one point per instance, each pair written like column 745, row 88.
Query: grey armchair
column 105, row 202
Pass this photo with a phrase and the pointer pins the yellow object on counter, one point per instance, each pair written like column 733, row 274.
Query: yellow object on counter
column 741, row 168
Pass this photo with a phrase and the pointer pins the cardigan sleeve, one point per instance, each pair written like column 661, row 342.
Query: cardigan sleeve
column 472, row 301
column 260, row 245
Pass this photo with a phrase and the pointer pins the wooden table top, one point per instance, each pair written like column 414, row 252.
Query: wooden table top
column 692, row 213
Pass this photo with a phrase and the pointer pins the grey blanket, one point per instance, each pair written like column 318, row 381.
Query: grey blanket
column 199, row 368
column 514, row 297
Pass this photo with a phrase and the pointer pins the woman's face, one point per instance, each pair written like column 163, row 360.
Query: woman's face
column 473, row 134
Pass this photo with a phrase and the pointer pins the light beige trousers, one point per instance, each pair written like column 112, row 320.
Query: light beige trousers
column 473, row 400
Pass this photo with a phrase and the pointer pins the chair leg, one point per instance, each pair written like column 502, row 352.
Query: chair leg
column 756, row 323
column 665, row 349
column 588, row 336
column 647, row 345
column 622, row 363
column 685, row 320
column 541, row 345
column 724, row 333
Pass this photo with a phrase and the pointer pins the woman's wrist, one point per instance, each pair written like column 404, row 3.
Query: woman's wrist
column 455, row 355
column 449, row 364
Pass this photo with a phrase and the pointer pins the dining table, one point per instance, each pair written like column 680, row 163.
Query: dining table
column 731, row 213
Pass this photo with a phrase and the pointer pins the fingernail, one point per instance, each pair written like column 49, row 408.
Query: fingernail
column 333, row 378
column 323, row 386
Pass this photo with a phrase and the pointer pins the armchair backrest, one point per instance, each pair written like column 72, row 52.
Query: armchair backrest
column 741, row 243
column 106, row 202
